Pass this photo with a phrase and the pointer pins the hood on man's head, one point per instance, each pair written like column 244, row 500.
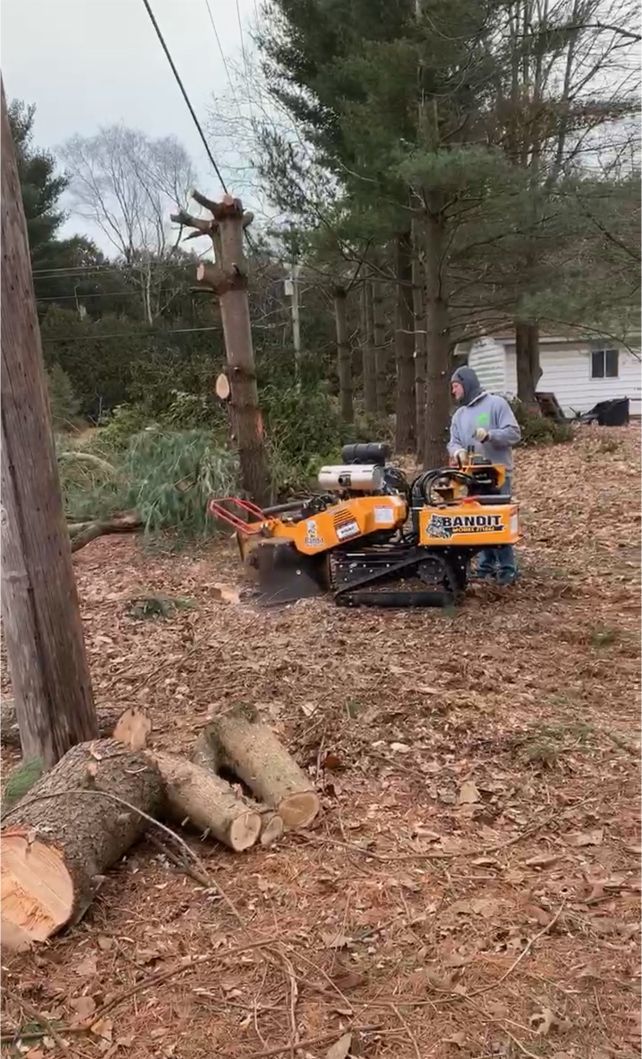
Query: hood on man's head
column 468, row 379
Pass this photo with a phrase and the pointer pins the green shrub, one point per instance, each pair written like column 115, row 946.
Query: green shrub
column 62, row 400
column 116, row 430
column 187, row 411
column 538, row 429
column 304, row 431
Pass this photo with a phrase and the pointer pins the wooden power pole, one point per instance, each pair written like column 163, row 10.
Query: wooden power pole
column 227, row 278
column 41, row 617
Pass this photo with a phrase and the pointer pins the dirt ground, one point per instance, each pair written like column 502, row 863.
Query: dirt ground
column 471, row 888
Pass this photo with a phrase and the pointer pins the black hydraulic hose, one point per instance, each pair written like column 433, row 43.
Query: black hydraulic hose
column 278, row 509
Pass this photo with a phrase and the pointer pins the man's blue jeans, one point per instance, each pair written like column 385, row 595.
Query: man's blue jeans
column 499, row 562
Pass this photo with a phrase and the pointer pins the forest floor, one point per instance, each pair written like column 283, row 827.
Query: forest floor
column 471, row 888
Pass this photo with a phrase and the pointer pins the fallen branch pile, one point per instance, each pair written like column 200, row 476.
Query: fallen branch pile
column 83, row 815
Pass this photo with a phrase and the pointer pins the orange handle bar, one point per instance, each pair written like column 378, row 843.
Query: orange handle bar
column 234, row 518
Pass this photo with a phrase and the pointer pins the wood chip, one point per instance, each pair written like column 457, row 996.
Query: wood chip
column 468, row 793
column 587, row 838
column 340, row 1048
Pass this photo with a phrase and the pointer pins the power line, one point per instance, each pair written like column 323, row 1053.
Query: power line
column 220, row 48
column 185, row 95
column 126, row 334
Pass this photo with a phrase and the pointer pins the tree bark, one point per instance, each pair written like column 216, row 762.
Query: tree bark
column 195, row 794
column 10, row 734
column 253, row 752
column 527, row 359
column 419, row 314
column 71, row 826
column 437, row 403
column 404, row 347
column 344, row 356
column 42, row 625
column 367, row 351
column 380, row 349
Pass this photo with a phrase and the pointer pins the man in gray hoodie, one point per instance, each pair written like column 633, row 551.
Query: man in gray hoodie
column 486, row 422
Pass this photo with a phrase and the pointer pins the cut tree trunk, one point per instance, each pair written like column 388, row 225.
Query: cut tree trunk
column 404, row 347
column 73, row 824
column 254, row 754
column 206, row 756
column 41, row 618
column 344, row 356
column 437, row 403
column 10, row 734
column 367, row 352
column 419, row 316
column 228, row 278
column 380, row 348
column 197, row 795
column 529, row 370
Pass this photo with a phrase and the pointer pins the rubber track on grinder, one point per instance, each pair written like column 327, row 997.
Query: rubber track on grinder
column 352, row 595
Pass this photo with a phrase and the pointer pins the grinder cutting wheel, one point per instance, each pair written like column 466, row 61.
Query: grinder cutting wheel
column 370, row 537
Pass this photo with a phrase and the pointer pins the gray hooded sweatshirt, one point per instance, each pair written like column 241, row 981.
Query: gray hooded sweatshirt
column 478, row 408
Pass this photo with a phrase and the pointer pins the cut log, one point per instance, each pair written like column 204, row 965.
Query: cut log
column 252, row 751
column 10, row 736
column 57, row 841
column 272, row 827
column 197, row 795
column 206, row 757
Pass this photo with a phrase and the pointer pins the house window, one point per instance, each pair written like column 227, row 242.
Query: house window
column 604, row 364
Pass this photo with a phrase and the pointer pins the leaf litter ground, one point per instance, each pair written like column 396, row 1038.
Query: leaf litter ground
column 472, row 886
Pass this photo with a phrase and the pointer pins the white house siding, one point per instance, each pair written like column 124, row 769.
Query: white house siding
column 566, row 372
column 488, row 358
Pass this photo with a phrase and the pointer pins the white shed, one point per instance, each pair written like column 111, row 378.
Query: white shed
column 580, row 372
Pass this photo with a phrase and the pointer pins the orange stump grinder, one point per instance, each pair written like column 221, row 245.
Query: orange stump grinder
column 370, row 537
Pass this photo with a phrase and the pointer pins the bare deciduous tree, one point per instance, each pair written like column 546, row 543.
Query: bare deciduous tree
column 125, row 183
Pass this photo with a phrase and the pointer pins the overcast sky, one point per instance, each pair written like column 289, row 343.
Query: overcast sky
column 87, row 63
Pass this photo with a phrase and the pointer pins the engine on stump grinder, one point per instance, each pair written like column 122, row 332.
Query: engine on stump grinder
column 370, row 537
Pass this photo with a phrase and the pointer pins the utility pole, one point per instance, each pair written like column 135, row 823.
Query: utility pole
column 41, row 617
column 344, row 355
column 292, row 290
column 228, row 279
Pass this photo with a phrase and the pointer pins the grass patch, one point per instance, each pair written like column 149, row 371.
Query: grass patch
column 603, row 636
column 157, row 606
column 542, row 745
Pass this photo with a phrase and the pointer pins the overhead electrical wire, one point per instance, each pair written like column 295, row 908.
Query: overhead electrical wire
column 220, row 47
column 127, row 334
column 185, row 95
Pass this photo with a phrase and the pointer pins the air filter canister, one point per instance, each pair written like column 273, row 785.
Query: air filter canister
column 357, row 477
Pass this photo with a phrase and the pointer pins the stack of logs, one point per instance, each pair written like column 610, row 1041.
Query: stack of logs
column 84, row 814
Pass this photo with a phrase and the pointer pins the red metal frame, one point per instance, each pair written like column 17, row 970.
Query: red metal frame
column 242, row 525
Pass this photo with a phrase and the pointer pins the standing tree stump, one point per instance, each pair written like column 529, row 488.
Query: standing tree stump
column 228, row 279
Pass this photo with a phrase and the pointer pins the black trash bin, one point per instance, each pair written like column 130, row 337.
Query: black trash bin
column 613, row 413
